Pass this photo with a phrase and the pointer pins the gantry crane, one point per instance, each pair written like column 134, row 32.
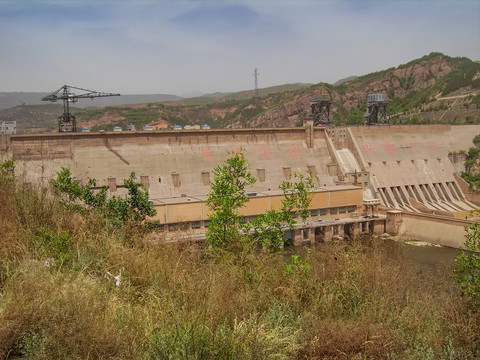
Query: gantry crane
column 320, row 109
column 66, row 121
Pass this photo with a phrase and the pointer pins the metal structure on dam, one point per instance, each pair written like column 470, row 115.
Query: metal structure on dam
column 406, row 171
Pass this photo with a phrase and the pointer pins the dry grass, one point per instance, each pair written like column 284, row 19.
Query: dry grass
column 360, row 301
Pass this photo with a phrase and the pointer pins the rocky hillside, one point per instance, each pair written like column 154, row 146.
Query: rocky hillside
column 433, row 89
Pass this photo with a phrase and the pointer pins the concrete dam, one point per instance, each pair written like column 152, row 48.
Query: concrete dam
column 409, row 169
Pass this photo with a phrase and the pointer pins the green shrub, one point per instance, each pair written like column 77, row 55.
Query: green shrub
column 467, row 265
column 134, row 206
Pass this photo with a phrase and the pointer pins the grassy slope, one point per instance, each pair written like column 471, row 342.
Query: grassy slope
column 176, row 301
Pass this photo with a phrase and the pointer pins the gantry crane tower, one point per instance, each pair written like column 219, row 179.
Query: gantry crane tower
column 376, row 113
column 66, row 121
column 320, row 109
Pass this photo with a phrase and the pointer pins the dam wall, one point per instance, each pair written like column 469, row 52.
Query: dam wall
column 174, row 163
column 412, row 162
column 403, row 166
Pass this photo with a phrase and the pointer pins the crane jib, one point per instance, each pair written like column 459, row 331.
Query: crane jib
column 67, row 121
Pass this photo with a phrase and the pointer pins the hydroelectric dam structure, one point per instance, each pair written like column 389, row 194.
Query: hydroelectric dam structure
column 400, row 179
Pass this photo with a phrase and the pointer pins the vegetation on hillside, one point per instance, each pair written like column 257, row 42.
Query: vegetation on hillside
column 33, row 118
column 472, row 165
column 465, row 73
column 467, row 265
column 74, row 286
column 413, row 91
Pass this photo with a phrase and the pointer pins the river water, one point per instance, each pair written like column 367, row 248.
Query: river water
column 434, row 259
column 428, row 256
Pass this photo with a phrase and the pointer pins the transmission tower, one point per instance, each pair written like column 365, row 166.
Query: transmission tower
column 255, row 74
column 67, row 121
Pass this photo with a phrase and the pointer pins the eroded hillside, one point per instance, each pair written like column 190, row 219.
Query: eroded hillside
column 433, row 89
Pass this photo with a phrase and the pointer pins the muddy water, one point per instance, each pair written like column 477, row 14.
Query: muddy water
column 428, row 256
column 437, row 260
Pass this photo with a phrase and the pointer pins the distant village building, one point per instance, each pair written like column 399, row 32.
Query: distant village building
column 157, row 125
column 205, row 127
column 85, row 129
column 148, row 128
column 117, row 128
column 131, row 127
column 8, row 127
column 192, row 127
column 177, row 127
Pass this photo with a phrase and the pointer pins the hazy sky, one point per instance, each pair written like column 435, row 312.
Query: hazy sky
column 185, row 47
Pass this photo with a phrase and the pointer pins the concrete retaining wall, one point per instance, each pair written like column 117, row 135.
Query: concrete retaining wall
column 434, row 229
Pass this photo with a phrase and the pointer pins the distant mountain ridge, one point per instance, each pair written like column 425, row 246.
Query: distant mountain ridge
column 433, row 89
column 11, row 99
column 341, row 81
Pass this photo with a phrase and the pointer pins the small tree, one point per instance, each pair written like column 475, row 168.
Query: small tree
column 467, row 265
column 268, row 229
column 135, row 205
column 76, row 194
column 65, row 186
column 298, row 194
column 226, row 197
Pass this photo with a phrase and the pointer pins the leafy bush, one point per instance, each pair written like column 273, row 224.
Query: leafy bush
column 467, row 265
column 472, row 157
column 55, row 246
column 135, row 206
column 472, row 179
column 476, row 140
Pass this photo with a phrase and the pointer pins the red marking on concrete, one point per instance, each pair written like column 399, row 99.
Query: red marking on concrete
column 431, row 144
column 265, row 152
column 390, row 148
column 206, row 153
column 294, row 152
column 367, row 147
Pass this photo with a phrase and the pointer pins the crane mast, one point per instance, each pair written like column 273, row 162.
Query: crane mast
column 67, row 121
